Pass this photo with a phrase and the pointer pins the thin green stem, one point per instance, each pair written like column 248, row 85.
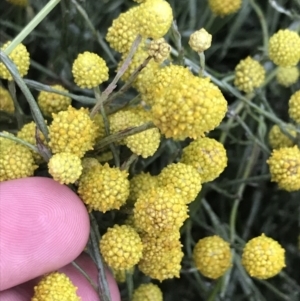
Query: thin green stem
column 103, row 289
column 246, row 174
column 119, row 74
column 18, row 110
column 202, row 64
column 83, row 272
column 106, row 125
column 123, row 134
column 18, row 140
column 263, row 24
column 31, row 25
column 95, row 32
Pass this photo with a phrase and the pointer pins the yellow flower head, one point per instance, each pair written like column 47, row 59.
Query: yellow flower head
column 121, row 247
column 55, row 286
column 160, row 209
column 20, row 57
column 147, row 292
column 224, row 7
column 28, row 134
column 212, row 256
column 65, row 168
column 208, row 156
column 263, row 257
column 50, row 102
column 249, row 75
column 144, row 143
column 16, row 160
column 6, row 102
column 72, row 131
column 158, row 84
column 140, row 184
column 278, row 139
column 189, row 108
column 287, row 76
column 104, row 188
column 284, row 48
column 200, row 40
column 123, row 31
column 284, row 165
column 89, row 70
column 184, row 178
column 159, row 50
column 154, row 18
column 162, row 255
column 294, row 107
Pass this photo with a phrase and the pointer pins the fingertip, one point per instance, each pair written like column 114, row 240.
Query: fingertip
column 43, row 226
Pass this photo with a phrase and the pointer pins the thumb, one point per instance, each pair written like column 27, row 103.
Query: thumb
column 43, row 227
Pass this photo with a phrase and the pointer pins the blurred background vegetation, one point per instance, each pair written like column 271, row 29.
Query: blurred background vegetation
column 243, row 196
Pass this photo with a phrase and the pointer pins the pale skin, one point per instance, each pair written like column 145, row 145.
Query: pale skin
column 44, row 226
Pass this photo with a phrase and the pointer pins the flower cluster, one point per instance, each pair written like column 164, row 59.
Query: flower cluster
column 263, row 257
column 212, row 256
column 20, row 57
column 151, row 19
column 55, row 286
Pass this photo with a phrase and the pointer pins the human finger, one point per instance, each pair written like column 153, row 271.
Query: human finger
column 43, row 227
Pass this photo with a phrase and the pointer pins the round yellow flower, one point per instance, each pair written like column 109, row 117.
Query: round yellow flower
column 284, row 48
column 200, row 40
column 224, row 7
column 89, row 70
column 278, row 139
column 65, row 168
column 55, row 287
column 123, row 31
column 294, row 107
column 6, row 102
column 284, row 165
column 72, row 131
column 208, row 156
column 287, row 76
column 160, row 209
column 154, row 18
column 140, row 184
column 212, row 256
column 20, row 57
column 158, row 84
column 189, row 108
column 162, row 255
column 263, row 257
column 249, row 75
column 184, row 178
column 104, row 188
column 50, row 102
column 121, row 247
column 147, row 292
column 16, row 160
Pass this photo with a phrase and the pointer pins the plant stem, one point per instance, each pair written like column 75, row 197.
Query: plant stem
column 247, row 172
column 106, row 125
column 120, row 72
column 103, row 289
column 31, row 26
